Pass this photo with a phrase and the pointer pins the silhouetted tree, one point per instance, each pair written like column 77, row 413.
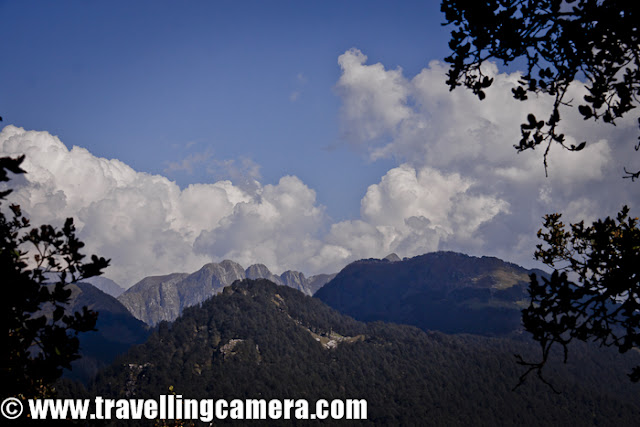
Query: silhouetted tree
column 595, row 41
column 602, row 302
column 595, row 293
column 36, row 265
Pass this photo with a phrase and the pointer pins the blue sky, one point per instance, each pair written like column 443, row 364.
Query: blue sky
column 152, row 82
column 301, row 135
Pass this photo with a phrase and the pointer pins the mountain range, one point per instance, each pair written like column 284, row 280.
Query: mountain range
column 263, row 341
column 157, row 298
column 232, row 336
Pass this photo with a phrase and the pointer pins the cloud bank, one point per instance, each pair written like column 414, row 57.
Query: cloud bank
column 460, row 142
column 147, row 225
column 457, row 185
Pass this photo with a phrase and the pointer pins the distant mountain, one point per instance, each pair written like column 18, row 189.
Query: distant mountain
column 107, row 286
column 318, row 281
column 444, row 291
column 392, row 258
column 260, row 271
column 117, row 331
column 259, row 340
column 159, row 298
column 207, row 281
column 154, row 298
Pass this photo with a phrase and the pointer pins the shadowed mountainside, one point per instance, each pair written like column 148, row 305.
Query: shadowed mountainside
column 117, row 331
column 445, row 291
column 106, row 285
column 262, row 341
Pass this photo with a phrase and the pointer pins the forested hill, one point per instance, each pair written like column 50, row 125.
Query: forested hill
column 260, row 340
column 444, row 291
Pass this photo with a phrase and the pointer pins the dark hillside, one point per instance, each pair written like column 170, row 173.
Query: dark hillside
column 117, row 331
column 260, row 340
column 444, row 291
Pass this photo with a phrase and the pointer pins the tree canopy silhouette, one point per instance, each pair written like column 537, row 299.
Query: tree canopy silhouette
column 36, row 265
column 595, row 41
column 601, row 302
column 594, row 291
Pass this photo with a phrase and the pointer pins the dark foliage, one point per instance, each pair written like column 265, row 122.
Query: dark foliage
column 595, row 41
column 259, row 340
column 599, row 300
column 36, row 265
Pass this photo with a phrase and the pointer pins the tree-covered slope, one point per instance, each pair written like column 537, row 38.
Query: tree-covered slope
column 260, row 340
column 444, row 291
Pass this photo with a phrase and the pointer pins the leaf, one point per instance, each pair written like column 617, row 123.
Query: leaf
column 585, row 110
column 58, row 313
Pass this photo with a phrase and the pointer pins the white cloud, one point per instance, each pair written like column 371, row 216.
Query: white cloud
column 415, row 211
column 278, row 227
column 459, row 185
column 147, row 225
column 374, row 99
column 463, row 143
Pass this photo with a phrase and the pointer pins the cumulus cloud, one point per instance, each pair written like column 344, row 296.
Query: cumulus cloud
column 458, row 141
column 147, row 225
column 374, row 99
column 458, row 185
column 279, row 227
column 426, row 124
column 413, row 211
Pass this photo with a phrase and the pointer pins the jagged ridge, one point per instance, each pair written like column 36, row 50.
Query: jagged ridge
column 158, row 298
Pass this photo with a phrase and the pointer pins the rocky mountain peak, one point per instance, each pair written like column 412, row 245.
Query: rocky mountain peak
column 261, row 271
column 393, row 257
column 296, row 280
column 159, row 298
column 256, row 270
